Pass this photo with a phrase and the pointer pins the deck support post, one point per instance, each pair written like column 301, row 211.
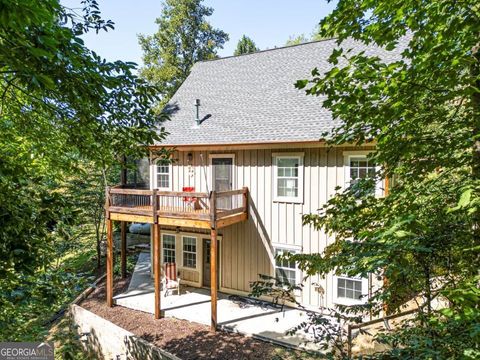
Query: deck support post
column 213, row 278
column 156, row 269
column 123, row 248
column 109, row 263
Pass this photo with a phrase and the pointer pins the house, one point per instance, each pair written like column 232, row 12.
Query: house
column 249, row 161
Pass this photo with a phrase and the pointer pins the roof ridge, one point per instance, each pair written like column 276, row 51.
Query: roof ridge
column 266, row 50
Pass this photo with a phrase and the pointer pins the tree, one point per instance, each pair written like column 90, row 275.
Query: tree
column 245, row 46
column 60, row 105
column 423, row 112
column 296, row 40
column 302, row 38
column 184, row 37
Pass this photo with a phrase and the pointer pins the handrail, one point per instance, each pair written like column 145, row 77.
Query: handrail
column 122, row 191
column 383, row 319
column 160, row 203
column 183, row 194
column 230, row 192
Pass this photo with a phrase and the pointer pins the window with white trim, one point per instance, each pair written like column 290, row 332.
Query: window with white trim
column 288, row 177
column 168, row 248
column 350, row 290
column 358, row 167
column 361, row 168
column 189, row 251
column 163, row 175
column 285, row 271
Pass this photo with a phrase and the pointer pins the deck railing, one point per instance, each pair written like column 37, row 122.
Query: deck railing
column 177, row 204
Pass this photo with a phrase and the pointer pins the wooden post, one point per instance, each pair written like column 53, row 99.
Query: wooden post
column 349, row 341
column 109, row 263
column 123, row 248
column 213, row 209
column 156, row 269
column 213, row 278
column 155, row 205
column 245, row 200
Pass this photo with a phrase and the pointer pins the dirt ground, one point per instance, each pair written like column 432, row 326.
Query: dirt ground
column 183, row 338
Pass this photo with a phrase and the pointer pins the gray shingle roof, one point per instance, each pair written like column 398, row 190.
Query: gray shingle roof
column 252, row 98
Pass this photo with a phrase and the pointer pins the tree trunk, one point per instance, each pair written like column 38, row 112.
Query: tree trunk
column 475, row 72
column 99, row 248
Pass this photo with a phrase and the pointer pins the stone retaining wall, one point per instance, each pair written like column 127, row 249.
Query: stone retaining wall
column 109, row 341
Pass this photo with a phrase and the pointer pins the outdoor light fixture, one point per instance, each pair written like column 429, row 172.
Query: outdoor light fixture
column 189, row 157
column 177, row 230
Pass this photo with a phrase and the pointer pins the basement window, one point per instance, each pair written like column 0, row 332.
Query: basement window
column 350, row 290
column 189, row 252
column 168, row 248
column 285, row 271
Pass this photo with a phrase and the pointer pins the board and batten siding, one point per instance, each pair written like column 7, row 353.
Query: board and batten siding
column 247, row 248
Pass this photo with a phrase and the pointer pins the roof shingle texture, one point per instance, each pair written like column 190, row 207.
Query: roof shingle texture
column 252, row 98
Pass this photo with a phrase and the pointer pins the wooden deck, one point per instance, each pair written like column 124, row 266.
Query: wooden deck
column 184, row 209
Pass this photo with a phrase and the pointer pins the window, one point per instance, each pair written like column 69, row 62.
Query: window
column 361, row 168
column 189, row 252
column 168, row 248
column 358, row 166
column 286, row 271
column 163, row 177
column 288, row 177
column 350, row 291
column 349, row 288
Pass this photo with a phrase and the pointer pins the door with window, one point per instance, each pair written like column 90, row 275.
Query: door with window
column 222, row 179
column 206, row 261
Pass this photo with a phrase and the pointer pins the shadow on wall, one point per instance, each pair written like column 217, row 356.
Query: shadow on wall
column 260, row 227
column 138, row 348
column 92, row 345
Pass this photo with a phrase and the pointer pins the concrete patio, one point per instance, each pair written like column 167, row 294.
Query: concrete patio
column 250, row 318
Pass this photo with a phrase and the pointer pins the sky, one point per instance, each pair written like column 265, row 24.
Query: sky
column 268, row 22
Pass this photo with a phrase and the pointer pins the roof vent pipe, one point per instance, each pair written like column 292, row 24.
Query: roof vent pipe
column 197, row 116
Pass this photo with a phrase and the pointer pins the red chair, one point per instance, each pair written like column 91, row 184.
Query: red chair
column 187, row 198
column 172, row 278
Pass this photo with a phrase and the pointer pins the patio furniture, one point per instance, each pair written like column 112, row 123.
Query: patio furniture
column 191, row 201
column 172, row 279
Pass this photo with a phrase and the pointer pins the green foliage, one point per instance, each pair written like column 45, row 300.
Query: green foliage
column 65, row 113
column 245, row 46
column 131, row 262
column 184, row 37
column 86, row 190
column 67, row 341
column 302, row 38
column 423, row 112
column 296, row 40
